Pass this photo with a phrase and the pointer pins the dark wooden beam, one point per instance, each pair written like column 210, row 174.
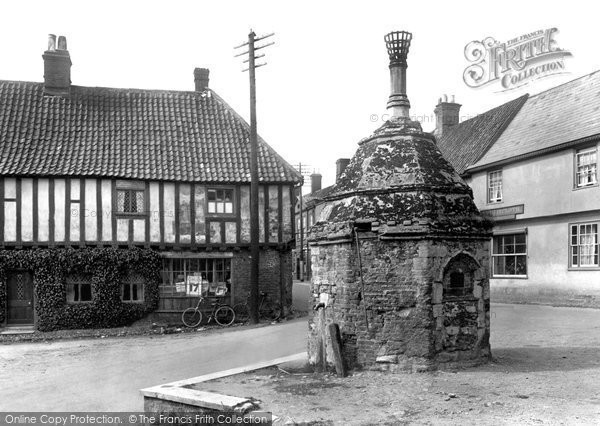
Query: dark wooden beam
column 238, row 214
column 113, row 210
column 266, row 212
column 280, row 212
column 177, row 213
column 193, row 215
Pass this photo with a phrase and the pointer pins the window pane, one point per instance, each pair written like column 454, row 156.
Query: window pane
column 126, row 292
column 86, row 292
column 121, row 201
column 139, row 199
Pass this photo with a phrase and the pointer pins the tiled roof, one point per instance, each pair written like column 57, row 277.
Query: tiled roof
column 565, row 113
column 314, row 198
column 462, row 145
column 129, row 133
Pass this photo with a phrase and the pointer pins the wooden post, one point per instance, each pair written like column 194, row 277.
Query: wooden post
column 336, row 344
column 254, row 248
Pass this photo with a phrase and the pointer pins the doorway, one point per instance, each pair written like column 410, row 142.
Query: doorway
column 19, row 298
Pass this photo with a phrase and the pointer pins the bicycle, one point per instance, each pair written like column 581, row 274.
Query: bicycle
column 266, row 309
column 223, row 314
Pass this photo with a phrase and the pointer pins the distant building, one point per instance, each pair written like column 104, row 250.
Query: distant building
column 532, row 164
column 308, row 212
column 163, row 171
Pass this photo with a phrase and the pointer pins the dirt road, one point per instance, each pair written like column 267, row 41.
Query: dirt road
column 106, row 374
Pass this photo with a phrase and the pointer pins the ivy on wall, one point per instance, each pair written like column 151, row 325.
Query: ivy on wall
column 108, row 267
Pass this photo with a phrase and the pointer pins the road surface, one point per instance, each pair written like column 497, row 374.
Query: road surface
column 107, row 374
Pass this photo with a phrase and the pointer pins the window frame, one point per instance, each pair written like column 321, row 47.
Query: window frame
column 82, row 280
column 208, row 202
column 132, row 187
column 579, row 267
column 209, row 285
column 489, row 188
column 132, row 192
column 580, row 152
column 524, row 254
column 127, row 280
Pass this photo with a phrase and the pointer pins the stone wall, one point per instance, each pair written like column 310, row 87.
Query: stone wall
column 401, row 320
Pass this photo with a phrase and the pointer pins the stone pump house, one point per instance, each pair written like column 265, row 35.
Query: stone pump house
column 400, row 253
column 120, row 202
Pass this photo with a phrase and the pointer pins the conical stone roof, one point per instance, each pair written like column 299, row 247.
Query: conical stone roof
column 398, row 184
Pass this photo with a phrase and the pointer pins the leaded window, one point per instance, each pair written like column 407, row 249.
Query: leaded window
column 130, row 201
column 79, row 288
column 132, row 288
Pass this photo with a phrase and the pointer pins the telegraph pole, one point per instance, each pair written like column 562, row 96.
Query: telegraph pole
column 254, row 226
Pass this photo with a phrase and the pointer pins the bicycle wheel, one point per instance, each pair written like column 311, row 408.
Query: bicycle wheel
column 241, row 312
column 191, row 317
column 224, row 315
column 270, row 311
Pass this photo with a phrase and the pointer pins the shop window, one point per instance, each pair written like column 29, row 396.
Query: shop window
column 79, row 288
column 206, row 276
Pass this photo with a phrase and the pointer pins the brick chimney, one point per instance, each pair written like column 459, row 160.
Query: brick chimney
column 57, row 67
column 447, row 114
column 340, row 166
column 201, row 79
column 315, row 182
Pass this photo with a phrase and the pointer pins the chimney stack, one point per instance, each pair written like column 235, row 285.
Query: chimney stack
column 315, row 182
column 447, row 114
column 340, row 166
column 201, row 79
column 57, row 67
column 398, row 43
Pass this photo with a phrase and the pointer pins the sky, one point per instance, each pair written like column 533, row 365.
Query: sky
column 326, row 82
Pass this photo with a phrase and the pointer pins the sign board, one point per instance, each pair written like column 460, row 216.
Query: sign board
column 504, row 213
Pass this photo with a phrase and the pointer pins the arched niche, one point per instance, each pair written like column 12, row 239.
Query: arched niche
column 458, row 276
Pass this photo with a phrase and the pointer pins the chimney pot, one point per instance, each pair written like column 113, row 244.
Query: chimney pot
column 201, row 79
column 57, row 67
column 315, row 182
column 51, row 42
column 62, row 43
column 340, row 167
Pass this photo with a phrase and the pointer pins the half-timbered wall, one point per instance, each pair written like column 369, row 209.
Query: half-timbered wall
column 88, row 211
